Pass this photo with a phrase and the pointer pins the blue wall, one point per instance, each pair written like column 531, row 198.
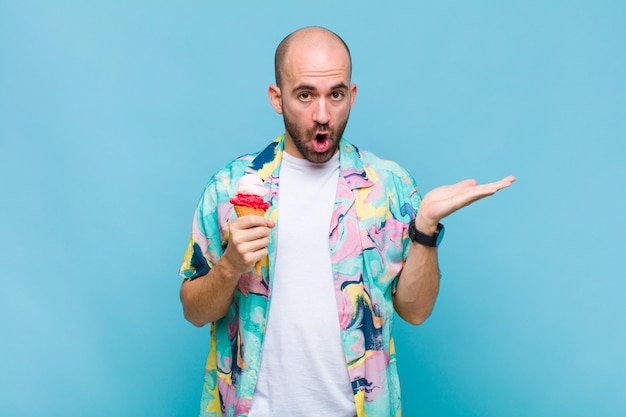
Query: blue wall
column 114, row 114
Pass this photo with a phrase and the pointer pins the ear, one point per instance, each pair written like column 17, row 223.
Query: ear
column 276, row 99
column 353, row 90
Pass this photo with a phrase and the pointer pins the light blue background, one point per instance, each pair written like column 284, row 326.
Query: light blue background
column 114, row 114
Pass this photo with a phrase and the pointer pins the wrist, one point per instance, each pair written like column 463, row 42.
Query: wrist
column 227, row 269
column 431, row 239
column 428, row 227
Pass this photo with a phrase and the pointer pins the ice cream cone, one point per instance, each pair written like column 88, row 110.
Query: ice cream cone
column 257, row 267
column 250, row 200
column 246, row 211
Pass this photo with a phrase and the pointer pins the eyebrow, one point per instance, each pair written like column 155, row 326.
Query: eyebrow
column 340, row 86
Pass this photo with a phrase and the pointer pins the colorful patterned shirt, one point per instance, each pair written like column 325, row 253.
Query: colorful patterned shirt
column 375, row 201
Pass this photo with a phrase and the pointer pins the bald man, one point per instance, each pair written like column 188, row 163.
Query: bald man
column 347, row 240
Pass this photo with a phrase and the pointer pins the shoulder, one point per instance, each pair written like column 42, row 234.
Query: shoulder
column 235, row 168
column 384, row 169
column 387, row 178
column 220, row 185
column 374, row 162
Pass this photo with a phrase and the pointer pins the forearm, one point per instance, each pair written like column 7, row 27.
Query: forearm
column 418, row 285
column 419, row 281
column 208, row 298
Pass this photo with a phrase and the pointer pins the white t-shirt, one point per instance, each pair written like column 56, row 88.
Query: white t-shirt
column 303, row 368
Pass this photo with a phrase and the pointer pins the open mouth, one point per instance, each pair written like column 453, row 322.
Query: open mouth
column 321, row 142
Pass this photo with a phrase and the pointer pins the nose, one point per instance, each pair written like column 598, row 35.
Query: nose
column 321, row 114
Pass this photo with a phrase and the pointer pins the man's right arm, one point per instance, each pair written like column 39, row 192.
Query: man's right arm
column 207, row 298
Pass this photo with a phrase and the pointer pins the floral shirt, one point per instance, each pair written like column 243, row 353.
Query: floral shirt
column 375, row 201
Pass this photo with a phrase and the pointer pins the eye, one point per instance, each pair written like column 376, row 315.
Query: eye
column 305, row 96
column 337, row 95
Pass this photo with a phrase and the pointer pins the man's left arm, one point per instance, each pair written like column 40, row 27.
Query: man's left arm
column 418, row 285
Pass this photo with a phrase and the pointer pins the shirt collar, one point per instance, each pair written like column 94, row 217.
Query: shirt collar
column 350, row 162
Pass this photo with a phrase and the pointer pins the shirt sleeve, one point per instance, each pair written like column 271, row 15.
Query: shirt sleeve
column 208, row 238
column 408, row 207
column 409, row 199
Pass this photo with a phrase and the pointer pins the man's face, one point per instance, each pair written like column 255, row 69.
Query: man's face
column 315, row 100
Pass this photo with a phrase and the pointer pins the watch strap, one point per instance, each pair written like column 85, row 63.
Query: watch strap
column 431, row 241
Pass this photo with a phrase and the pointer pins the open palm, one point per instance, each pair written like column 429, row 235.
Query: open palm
column 445, row 200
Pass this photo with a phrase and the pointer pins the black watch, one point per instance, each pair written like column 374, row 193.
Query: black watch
column 426, row 240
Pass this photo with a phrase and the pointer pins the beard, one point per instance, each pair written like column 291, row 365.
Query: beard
column 304, row 139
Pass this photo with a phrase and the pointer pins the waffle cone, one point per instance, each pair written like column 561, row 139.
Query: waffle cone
column 246, row 211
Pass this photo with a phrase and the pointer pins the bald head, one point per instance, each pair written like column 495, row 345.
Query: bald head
column 306, row 37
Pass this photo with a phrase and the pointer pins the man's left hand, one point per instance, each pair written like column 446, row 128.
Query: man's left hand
column 445, row 200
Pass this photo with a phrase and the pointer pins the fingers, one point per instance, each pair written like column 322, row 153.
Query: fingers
column 493, row 187
column 503, row 183
column 466, row 183
column 249, row 221
column 248, row 240
column 507, row 181
column 478, row 192
column 249, row 229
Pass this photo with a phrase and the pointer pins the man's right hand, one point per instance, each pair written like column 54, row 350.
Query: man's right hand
column 207, row 298
column 247, row 243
